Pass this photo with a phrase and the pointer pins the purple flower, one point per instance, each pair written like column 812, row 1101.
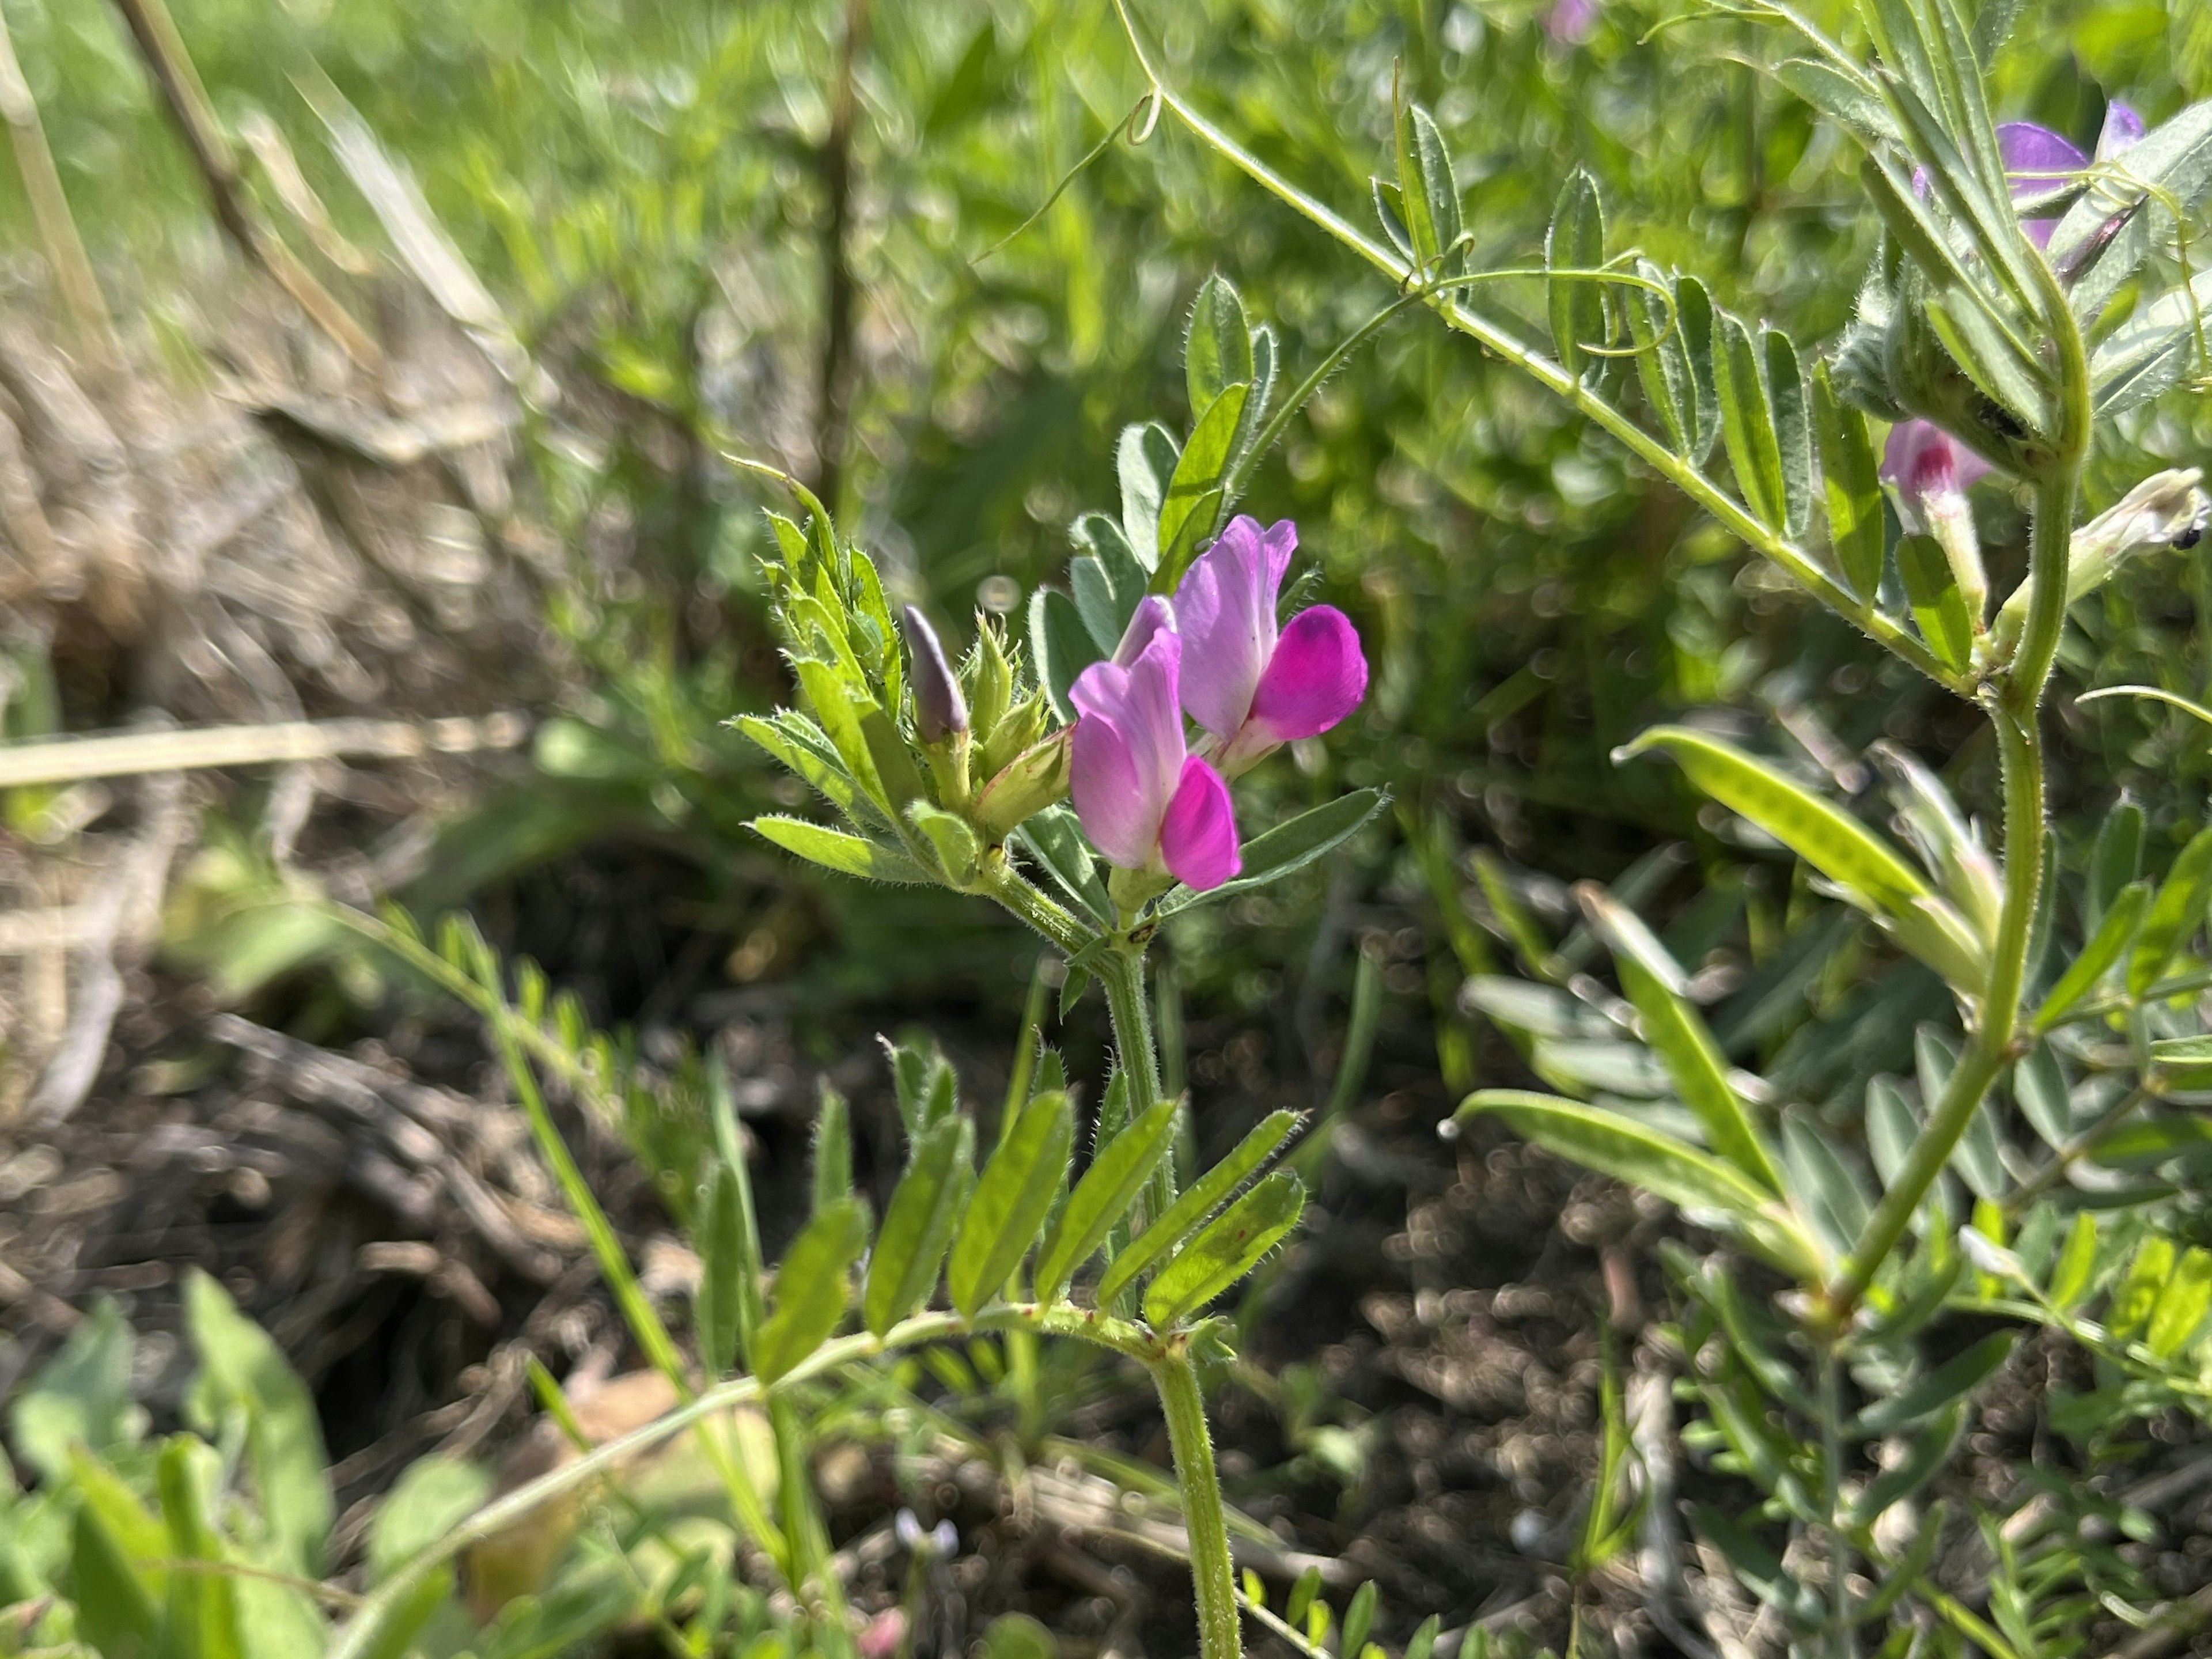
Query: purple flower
column 1144, row 799
column 2037, row 163
column 2122, row 128
column 1252, row 684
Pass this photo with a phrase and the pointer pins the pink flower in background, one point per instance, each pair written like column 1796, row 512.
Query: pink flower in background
column 1569, row 22
column 1144, row 799
column 1252, row 684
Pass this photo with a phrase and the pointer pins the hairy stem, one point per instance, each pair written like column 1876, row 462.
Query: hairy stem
column 1220, row 1636
column 1121, row 970
column 1842, row 1643
column 2014, row 713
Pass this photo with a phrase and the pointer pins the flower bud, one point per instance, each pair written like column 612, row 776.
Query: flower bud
column 939, row 710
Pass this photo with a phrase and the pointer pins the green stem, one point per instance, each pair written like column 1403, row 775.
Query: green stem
column 996, row 878
column 2014, row 713
column 1841, row 1643
column 1220, row 1636
column 1121, row 970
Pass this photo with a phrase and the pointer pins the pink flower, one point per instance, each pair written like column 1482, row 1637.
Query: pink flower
column 1251, row 684
column 1145, row 802
column 1922, row 461
column 1932, row 472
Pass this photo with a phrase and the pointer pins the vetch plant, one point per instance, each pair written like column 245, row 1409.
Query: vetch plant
column 1989, row 336
column 982, row 780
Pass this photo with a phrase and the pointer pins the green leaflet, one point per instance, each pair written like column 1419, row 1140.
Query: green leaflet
column 1793, row 427
column 2174, row 915
column 919, row 1222
column 1117, row 1174
column 1850, row 472
column 832, row 1162
column 1216, row 347
column 1939, row 605
column 2077, row 1264
column 1145, row 460
column 1824, row 835
column 1060, row 645
column 803, row 749
column 1198, row 1201
column 2039, row 1088
column 1947, row 1383
column 1193, row 501
column 1011, row 1199
column 1747, row 429
column 243, row 1369
column 2179, row 1311
column 1674, row 1028
column 2117, row 859
column 1662, row 364
column 837, row 849
column 1575, row 242
column 1227, row 1249
column 1427, row 193
column 2104, row 948
column 1614, row 1144
column 812, row 1288
column 199, row 1613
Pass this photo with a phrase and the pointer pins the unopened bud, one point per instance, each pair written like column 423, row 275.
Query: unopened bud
column 939, row 710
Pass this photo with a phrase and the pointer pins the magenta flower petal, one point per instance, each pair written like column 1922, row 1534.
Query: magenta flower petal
column 1226, row 608
column 1127, row 758
column 1923, row 459
column 1318, row 676
column 2122, row 130
column 1198, row 837
column 1117, row 810
column 1152, row 614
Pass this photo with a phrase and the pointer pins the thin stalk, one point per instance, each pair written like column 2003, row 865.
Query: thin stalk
column 997, row 879
column 1213, row 1583
column 1121, row 970
column 42, row 184
column 1842, row 1644
column 171, row 65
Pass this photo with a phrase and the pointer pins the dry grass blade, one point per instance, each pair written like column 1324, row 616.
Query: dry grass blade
column 72, row 760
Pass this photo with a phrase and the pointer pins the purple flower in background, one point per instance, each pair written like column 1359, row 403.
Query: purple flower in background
column 1144, row 799
column 1252, row 684
column 2122, row 128
column 2037, row 162
column 1569, row 22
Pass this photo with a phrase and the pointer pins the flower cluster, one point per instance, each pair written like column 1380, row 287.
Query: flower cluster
column 1149, row 801
column 1930, row 469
